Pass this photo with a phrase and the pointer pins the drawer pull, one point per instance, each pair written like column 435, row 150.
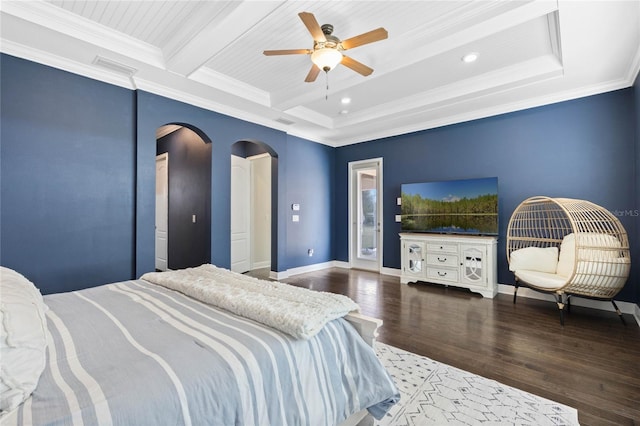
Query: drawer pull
column 442, row 260
column 442, row 274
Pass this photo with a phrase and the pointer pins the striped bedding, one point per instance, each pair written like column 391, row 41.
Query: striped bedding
column 136, row 353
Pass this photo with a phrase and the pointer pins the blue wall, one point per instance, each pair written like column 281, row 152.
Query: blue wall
column 77, row 174
column 223, row 131
column 67, row 177
column 310, row 184
column 77, row 179
column 578, row 149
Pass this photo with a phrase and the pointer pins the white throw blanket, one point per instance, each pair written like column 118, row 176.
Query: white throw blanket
column 294, row 310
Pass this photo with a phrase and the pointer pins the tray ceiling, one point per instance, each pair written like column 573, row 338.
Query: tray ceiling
column 209, row 53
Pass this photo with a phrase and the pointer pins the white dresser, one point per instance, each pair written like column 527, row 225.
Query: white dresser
column 456, row 260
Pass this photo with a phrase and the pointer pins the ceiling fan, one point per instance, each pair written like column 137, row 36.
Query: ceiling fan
column 327, row 48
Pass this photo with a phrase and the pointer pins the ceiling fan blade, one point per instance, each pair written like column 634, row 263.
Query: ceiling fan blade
column 313, row 74
column 312, row 25
column 287, row 52
column 358, row 67
column 365, row 38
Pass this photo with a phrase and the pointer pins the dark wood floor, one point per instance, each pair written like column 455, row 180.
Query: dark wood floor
column 591, row 364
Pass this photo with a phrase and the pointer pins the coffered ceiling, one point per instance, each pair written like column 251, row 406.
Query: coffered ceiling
column 209, row 53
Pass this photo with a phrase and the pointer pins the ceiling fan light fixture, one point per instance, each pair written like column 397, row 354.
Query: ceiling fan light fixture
column 326, row 58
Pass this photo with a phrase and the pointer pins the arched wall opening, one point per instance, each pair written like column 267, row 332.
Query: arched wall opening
column 254, row 205
column 183, row 224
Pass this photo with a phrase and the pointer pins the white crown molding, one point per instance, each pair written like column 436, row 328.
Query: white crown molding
column 320, row 128
column 634, row 68
column 206, row 103
column 523, row 74
column 15, row 49
column 485, row 112
column 311, row 116
column 230, row 85
column 49, row 16
column 90, row 71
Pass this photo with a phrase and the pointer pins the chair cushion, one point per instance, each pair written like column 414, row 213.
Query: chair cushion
column 542, row 280
column 534, row 259
column 567, row 258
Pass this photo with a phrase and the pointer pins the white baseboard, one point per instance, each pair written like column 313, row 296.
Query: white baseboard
column 625, row 307
column 391, row 271
column 303, row 270
column 340, row 264
column 260, row 265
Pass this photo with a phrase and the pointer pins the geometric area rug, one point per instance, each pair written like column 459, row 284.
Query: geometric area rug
column 433, row 393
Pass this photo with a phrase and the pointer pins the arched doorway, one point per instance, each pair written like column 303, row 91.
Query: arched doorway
column 253, row 203
column 184, row 152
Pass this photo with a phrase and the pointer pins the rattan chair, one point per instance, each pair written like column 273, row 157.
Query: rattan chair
column 590, row 246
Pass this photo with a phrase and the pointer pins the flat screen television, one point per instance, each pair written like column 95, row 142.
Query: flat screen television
column 468, row 206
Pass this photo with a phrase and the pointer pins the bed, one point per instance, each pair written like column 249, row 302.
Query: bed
column 148, row 351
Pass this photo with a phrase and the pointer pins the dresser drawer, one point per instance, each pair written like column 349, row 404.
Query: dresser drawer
column 442, row 248
column 442, row 274
column 442, row 259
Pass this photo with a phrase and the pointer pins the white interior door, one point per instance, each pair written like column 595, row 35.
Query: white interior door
column 365, row 213
column 240, row 214
column 260, row 211
column 162, row 211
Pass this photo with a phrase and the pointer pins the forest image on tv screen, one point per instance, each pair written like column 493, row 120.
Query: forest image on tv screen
column 458, row 206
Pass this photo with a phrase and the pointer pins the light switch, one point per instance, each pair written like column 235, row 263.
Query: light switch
column 399, row 201
column 193, row 218
column 398, row 218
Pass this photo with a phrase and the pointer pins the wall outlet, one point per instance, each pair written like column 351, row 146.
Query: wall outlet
column 310, row 252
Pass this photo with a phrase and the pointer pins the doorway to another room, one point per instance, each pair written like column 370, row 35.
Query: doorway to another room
column 162, row 211
column 251, row 206
column 365, row 214
column 183, row 197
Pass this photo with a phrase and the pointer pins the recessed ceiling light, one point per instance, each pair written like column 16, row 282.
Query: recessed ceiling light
column 344, row 111
column 345, row 101
column 470, row 57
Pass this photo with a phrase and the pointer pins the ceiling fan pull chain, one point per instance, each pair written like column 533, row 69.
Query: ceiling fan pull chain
column 326, row 95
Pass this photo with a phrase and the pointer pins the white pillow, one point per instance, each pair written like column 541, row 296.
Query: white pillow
column 598, row 246
column 567, row 258
column 534, row 259
column 592, row 246
column 23, row 340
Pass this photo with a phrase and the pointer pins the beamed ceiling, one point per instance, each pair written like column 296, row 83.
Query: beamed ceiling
column 209, row 54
